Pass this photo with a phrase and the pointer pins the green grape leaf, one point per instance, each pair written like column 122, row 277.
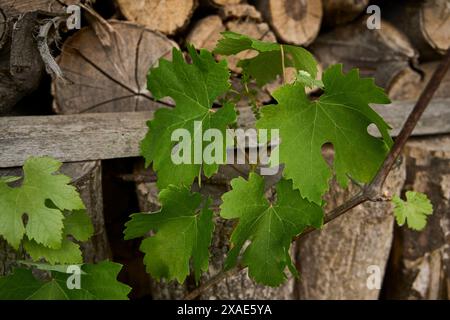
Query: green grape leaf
column 45, row 223
column 268, row 64
column 183, row 233
column 270, row 228
column 98, row 282
column 68, row 253
column 193, row 87
column 78, row 225
column 341, row 117
column 413, row 211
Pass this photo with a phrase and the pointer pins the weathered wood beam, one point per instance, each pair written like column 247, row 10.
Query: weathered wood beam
column 99, row 136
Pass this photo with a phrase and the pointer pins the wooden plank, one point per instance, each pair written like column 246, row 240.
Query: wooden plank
column 99, row 136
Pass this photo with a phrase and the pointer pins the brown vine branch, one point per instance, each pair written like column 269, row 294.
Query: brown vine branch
column 371, row 191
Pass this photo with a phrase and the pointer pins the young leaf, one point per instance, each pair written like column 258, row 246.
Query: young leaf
column 341, row 117
column 183, row 231
column 414, row 210
column 268, row 63
column 78, row 225
column 45, row 224
column 194, row 87
column 269, row 227
column 98, row 282
column 68, row 253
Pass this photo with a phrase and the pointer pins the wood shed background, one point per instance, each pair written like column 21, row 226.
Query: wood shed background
column 89, row 106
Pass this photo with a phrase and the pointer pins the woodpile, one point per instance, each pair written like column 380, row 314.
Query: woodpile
column 104, row 70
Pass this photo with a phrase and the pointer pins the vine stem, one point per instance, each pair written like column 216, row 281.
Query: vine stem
column 371, row 191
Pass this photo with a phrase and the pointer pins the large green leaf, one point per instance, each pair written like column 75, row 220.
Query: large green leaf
column 270, row 227
column 194, row 88
column 341, row 116
column 183, row 233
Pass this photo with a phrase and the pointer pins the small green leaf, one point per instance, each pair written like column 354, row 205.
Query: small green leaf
column 413, row 211
column 267, row 65
column 183, row 233
column 270, row 228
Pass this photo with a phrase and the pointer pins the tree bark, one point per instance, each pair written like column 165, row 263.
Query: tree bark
column 427, row 24
column 296, row 22
column 385, row 54
column 167, row 17
column 15, row 7
column 419, row 267
column 333, row 263
column 106, row 72
column 21, row 66
column 86, row 177
column 337, row 12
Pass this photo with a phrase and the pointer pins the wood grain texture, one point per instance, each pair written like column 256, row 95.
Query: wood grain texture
column 336, row 12
column 296, row 22
column 333, row 262
column 15, row 7
column 81, row 137
column 166, row 16
column 109, row 78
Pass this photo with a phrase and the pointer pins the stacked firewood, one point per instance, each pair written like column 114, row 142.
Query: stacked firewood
column 104, row 66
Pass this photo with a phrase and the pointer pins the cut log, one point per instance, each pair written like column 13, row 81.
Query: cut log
column 167, row 16
column 336, row 12
column 334, row 263
column 206, row 33
column 221, row 3
column 86, row 177
column 297, row 22
column 109, row 78
column 409, row 86
column 419, row 267
column 383, row 54
column 427, row 24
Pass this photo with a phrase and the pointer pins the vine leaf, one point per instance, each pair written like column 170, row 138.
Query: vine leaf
column 45, row 222
column 98, row 282
column 194, row 87
column 78, row 225
column 183, row 231
column 341, row 116
column 413, row 211
column 269, row 227
column 268, row 63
